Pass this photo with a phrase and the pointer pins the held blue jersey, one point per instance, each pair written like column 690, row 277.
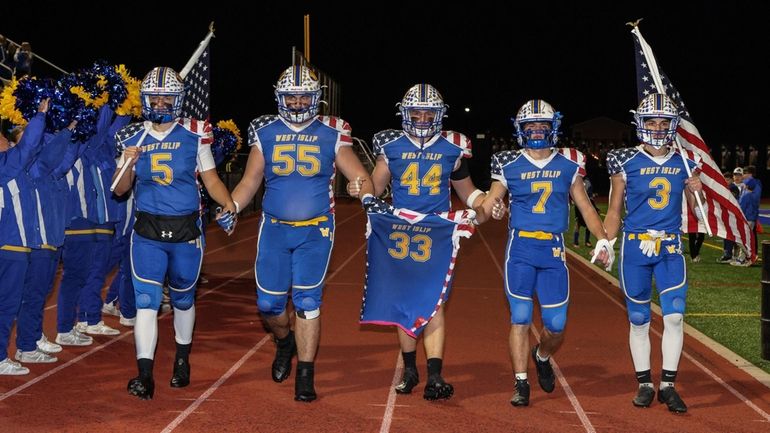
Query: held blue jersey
column 420, row 175
column 654, row 188
column 299, row 164
column 538, row 190
column 167, row 169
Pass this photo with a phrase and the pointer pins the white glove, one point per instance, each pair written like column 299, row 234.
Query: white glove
column 604, row 244
column 649, row 247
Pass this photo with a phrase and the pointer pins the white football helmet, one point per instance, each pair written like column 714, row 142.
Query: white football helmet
column 298, row 81
column 422, row 97
column 656, row 106
column 537, row 110
column 162, row 81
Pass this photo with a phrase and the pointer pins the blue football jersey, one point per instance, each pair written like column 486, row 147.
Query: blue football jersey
column 420, row 175
column 538, row 190
column 299, row 164
column 166, row 172
column 654, row 188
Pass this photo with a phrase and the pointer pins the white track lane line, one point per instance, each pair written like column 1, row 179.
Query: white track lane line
column 562, row 380
column 387, row 418
column 190, row 409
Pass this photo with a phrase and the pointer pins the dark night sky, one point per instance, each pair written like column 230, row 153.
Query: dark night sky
column 489, row 58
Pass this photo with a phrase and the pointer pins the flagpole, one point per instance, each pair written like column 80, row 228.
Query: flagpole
column 186, row 70
column 655, row 73
column 196, row 55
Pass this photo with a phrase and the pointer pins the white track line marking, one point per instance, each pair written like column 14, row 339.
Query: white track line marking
column 689, row 357
column 562, row 380
column 190, row 409
column 102, row 346
column 387, row 417
column 175, row 423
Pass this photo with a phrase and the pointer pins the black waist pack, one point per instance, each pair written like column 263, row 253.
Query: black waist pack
column 167, row 228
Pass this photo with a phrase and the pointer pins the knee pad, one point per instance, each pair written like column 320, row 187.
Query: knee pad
column 270, row 305
column 184, row 301
column 638, row 314
column 521, row 312
column 308, row 308
column 555, row 319
column 143, row 301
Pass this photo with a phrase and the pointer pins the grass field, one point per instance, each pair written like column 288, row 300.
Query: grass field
column 723, row 301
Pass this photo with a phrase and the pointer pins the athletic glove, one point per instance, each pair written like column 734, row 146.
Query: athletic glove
column 604, row 244
column 227, row 221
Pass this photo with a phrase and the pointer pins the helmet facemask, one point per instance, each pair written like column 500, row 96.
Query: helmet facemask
column 298, row 93
column 656, row 106
column 540, row 111
column 162, row 95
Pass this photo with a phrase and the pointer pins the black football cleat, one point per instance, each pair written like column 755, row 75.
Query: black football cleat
column 282, row 363
column 669, row 396
column 545, row 376
column 181, row 376
column 304, row 390
column 142, row 387
column 644, row 396
column 409, row 380
column 437, row 389
column 521, row 393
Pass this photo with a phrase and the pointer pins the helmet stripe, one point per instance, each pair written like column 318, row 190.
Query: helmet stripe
column 161, row 77
column 297, row 76
column 536, row 106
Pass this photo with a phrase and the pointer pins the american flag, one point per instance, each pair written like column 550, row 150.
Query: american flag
column 196, row 102
column 722, row 210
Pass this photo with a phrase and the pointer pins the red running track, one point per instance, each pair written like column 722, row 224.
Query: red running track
column 231, row 389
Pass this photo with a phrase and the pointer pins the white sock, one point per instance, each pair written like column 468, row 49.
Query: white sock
column 184, row 322
column 666, row 384
column 639, row 343
column 521, row 376
column 673, row 339
column 146, row 333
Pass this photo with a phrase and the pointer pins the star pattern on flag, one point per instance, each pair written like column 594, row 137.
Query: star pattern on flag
column 384, row 137
column 380, row 206
column 126, row 132
column 646, row 85
column 196, row 101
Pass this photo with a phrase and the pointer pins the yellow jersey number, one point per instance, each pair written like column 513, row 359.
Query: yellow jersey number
column 544, row 188
column 432, row 179
column 157, row 165
column 662, row 193
column 417, row 247
column 302, row 158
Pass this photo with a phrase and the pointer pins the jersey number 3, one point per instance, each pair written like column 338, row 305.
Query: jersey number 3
column 662, row 193
column 403, row 242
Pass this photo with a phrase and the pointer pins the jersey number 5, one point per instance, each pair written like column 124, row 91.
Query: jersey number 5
column 166, row 173
column 403, row 242
column 305, row 162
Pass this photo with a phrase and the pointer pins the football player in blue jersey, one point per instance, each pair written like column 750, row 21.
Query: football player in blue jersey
column 539, row 180
column 421, row 162
column 650, row 180
column 297, row 153
column 165, row 153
